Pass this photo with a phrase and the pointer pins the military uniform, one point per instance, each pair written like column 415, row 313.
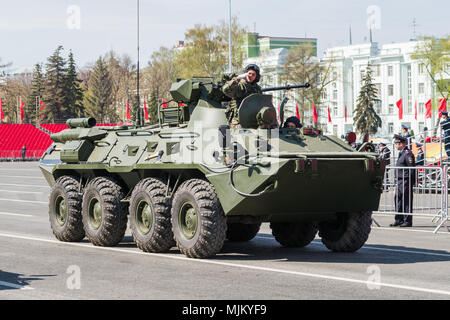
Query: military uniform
column 405, row 182
column 238, row 90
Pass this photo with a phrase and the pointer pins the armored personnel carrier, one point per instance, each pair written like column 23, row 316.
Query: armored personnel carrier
column 192, row 181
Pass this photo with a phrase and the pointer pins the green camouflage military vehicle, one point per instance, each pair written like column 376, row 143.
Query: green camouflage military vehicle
column 193, row 182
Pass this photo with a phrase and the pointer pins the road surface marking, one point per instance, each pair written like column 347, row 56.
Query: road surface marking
column 16, row 214
column 30, row 201
column 15, row 286
column 20, row 191
column 24, row 177
column 234, row 265
column 25, row 185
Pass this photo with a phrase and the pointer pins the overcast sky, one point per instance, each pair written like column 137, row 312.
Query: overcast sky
column 30, row 30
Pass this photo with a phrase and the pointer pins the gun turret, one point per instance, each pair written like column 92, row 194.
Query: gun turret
column 80, row 129
column 287, row 87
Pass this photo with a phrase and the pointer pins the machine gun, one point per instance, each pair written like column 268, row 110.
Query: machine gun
column 287, row 87
column 285, row 99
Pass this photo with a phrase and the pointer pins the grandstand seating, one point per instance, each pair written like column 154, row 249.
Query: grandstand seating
column 54, row 128
column 14, row 136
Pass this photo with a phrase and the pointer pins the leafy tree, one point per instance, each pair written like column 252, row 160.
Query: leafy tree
column 55, row 87
column 74, row 92
column 301, row 65
column 366, row 120
column 206, row 50
column 434, row 55
column 37, row 92
column 98, row 99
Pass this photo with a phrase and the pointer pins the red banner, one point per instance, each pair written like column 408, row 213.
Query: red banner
column 428, row 109
column 145, row 110
column 2, row 116
column 128, row 111
column 329, row 115
column 164, row 104
column 21, row 110
column 297, row 113
column 400, row 109
column 442, row 106
column 415, row 111
column 315, row 116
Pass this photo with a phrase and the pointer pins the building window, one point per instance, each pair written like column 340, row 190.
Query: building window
column 376, row 70
column 421, row 68
column 335, row 94
column 324, row 95
column 378, row 107
column 391, row 108
column 390, row 128
column 421, row 88
column 391, row 90
column 390, row 71
column 421, row 108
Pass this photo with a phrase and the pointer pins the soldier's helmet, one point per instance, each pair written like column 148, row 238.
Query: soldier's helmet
column 255, row 68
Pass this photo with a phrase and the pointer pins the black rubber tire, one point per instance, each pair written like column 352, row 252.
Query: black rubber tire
column 209, row 236
column 113, row 224
column 69, row 228
column 241, row 232
column 159, row 237
column 294, row 234
column 348, row 234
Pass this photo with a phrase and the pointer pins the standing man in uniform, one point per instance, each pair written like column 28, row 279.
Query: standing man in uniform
column 445, row 125
column 407, row 135
column 238, row 89
column 405, row 182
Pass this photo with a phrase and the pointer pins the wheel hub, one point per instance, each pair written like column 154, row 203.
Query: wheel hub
column 144, row 217
column 188, row 220
column 95, row 213
column 60, row 210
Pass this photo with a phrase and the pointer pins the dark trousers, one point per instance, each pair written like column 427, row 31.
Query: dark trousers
column 404, row 200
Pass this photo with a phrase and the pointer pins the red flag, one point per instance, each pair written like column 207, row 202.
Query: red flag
column 400, row 109
column 297, row 113
column 21, row 110
column 428, row 108
column 145, row 110
column 164, row 104
column 315, row 116
column 42, row 105
column 128, row 111
column 442, row 106
column 415, row 111
column 329, row 114
column 2, row 116
column 345, row 113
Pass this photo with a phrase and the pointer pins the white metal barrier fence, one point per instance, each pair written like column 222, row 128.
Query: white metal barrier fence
column 416, row 191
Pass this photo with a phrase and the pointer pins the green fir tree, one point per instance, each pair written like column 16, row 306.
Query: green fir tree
column 365, row 119
column 54, row 95
column 74, row 93
column 98, row 98
column 37, row 91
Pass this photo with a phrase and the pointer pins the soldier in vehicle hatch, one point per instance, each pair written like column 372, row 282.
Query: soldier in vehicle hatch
column 238, row 89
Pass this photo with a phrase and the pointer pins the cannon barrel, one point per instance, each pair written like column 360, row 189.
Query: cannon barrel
column 287, row 87
column 66, row 135
column 81, row 123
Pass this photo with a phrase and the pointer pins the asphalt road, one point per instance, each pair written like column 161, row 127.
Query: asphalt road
column 394, row 264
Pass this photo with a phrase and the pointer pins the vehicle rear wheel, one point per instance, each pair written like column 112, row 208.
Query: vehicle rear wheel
column 198, row 221
column 104, row 215
column 65, row 210
column 240, row 232
column 347, row 233
column 294, row 234
column 150, row 216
